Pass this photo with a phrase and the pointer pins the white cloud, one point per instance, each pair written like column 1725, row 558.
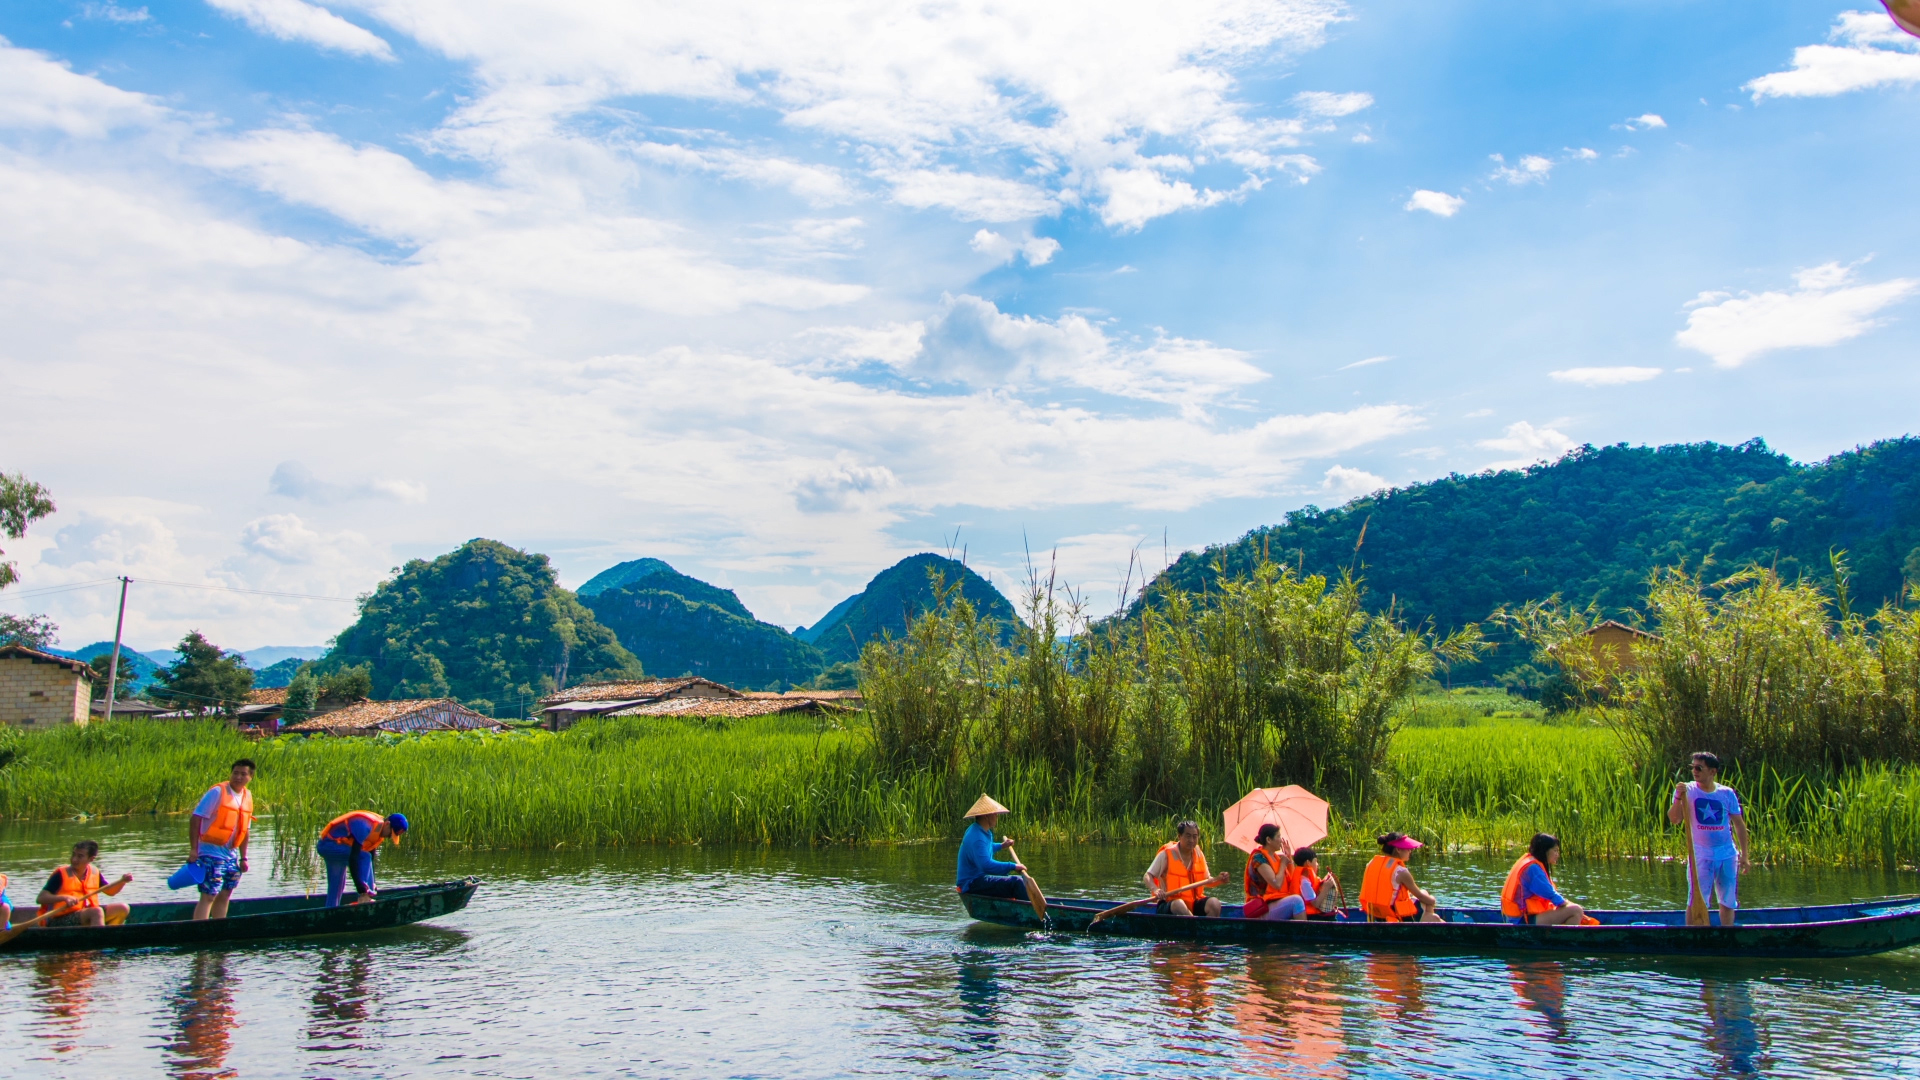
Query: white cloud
column 1322, row 103
column 842, row 486
column 39, row 93
column 1347, row 483
column 1873, row 52
column 1823, row 310
column 1438, row 203
column 1606, row 376
column 1368, row 362
column 1584, row 153
column 1531, row 169
column 293, row 20
column 1038, row 250
column 294, row 480
column 1527, row 444
column 1644, row 122
column 110, row 12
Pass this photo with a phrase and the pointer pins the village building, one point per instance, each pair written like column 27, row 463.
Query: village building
column 396, row 717
column 561, row 710
column 740, row 708
column 126, row 710
column 40, row 689
column 1613, row 643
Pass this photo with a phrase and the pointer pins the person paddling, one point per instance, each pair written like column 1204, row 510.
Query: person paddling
column 217, row 839
column 71, row 885
column 1529, row 895
column 347, row 844
column 1180, row 863
column 1388, row 892
column 978, row 872
column 1711, row 811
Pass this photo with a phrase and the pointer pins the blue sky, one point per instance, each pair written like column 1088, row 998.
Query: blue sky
column 782, row 293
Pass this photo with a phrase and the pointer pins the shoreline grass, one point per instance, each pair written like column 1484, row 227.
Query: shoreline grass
column 1484, row 783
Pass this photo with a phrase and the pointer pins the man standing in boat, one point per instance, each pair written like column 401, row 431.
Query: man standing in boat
column 1711, row 812
column 347, row 844
column 1181, row 863
column 980, row 873
column 217, row 839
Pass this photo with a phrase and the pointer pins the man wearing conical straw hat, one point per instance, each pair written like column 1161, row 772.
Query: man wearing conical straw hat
column 981, row 874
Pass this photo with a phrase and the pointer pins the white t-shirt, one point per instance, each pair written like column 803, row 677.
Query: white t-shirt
column 209, row 806
column 1711, row 814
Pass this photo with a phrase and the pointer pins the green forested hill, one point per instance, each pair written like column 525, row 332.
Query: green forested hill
column 679, row 625
column 1593, row 525
column 895, row 594
column 485, row 623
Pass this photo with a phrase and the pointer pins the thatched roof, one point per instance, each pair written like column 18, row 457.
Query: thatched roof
column 368, row 717
column 728, row 708
column 643, row 690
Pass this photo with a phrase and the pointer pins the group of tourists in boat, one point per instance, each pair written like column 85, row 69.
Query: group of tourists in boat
column 1283, row 882
column 217, row 834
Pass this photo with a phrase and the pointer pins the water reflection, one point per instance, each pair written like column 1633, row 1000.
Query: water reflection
column 342, row 1000
column 979, row 987
column 1288, row 1015
column 1541, row 986
column 204, row 1018
column 1397, row 986
column 1734, row 1035
column 1181, row 972
column 62, row 991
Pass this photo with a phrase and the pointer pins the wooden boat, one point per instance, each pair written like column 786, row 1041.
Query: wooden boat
column 1856, row 929
column 266, row 918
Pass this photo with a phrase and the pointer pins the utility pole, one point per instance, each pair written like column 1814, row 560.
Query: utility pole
column 113, row 665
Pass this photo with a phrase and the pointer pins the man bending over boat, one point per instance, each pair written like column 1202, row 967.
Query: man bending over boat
column 217, row 839
column 1711, row 811
column 348, row 843
column 980, row 873
column 1529, row 895
column 1388, row 892
column 77, row 887
column 1181, row 863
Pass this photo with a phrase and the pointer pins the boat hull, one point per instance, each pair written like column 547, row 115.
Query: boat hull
column 1840, row 930
column 267, row 918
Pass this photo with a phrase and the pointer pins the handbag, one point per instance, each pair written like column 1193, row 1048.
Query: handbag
column 1256, row 907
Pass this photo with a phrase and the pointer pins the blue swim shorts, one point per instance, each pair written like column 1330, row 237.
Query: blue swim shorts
column 1718, row 880
column 1007, row 886
column 222, row 870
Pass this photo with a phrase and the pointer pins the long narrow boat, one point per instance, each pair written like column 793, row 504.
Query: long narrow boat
column 1856, row 929
column 265, row 918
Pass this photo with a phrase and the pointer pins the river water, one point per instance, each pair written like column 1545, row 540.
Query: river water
column 704, row 962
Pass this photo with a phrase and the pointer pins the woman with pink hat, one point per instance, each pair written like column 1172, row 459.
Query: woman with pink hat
column 1388, row 892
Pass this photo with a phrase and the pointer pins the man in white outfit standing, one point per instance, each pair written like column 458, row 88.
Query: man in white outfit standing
column 1711, row 811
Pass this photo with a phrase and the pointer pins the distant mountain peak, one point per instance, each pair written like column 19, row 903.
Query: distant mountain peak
column 894, row 596
column 626, row 573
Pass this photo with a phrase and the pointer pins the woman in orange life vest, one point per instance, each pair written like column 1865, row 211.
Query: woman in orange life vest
column 76, row 879
column 1266, row 874
column 217, row 839
column 1180, row 863
column 348, row 843
column 1388, row 892
column 1529, row 895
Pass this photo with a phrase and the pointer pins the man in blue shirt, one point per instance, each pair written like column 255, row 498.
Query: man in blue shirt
column 980, row 873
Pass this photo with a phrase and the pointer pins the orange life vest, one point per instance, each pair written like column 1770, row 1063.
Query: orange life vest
column 340, row 829
column 1381, row 897
column 1258, row 889
column 74, row 887
column 1290, row 881
column 1510, row 895
column 231, row 819
column 1181, row 873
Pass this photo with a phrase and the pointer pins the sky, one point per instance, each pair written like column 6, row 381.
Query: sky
column 781, row 293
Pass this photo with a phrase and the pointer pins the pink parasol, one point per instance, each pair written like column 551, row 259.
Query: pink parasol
column 1906, row 13
column 1301, row 815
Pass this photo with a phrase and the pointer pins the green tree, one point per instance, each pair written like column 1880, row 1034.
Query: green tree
column 303, row 693
column 22, row 502
column 344, row 686
column 33, row 631
column 483, row 622
column 206, row 678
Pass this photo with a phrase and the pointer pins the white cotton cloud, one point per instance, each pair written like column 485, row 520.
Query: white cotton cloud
column 111, row 12
column 1531, row 169
column 842, row 486
column 1872, row 52
column 294, row 480
column 1437, row 203
column 294, row 20
column 1368, row 362
column 1343, row 482
column 1322, row 103
column 1584, row 153
column 1605, row 376
column 1527, row 444
column 1644, row 122
column 1822, row 310
column 40, row 93
column 1037, row 250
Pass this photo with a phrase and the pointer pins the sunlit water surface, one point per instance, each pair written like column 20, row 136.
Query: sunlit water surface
column 752, row 962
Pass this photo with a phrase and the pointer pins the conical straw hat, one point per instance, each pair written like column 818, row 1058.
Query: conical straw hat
column 986, row 805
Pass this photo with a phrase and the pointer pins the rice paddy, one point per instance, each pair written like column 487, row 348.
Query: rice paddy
column 1490, row 784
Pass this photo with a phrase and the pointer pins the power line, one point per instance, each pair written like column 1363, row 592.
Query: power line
column 97, row 582
column 69, row 587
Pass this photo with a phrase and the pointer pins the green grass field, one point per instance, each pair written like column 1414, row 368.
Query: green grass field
column 1484, row 782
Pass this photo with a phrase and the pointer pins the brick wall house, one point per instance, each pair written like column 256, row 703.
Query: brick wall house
column 41, row 690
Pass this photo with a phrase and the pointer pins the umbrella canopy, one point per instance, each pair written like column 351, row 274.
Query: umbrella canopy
column 1301, row 815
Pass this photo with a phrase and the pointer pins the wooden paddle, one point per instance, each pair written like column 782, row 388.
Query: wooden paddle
column 1122, row 909
column 62, row 908
column 1034, row 895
